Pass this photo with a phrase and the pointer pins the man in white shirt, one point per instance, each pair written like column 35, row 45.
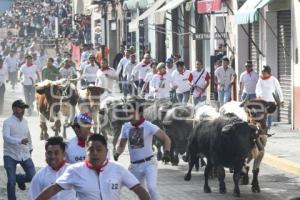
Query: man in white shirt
column 29, row 75
column 120, row 69
column 3, row 79
column 162, row 83
column 127, row 73
column 106, row 76
column 148, row 86
column 171, row 67
column 90, row 71
column 181, row 82
column 139, row 134
column 76, row 151
column 248, row 80
column 225, row 78
column 97, row 178
column 56, row 166
column 142, row 69
column 266, row 86
column 11, row 63
column 67, row 71
column 17, row 149
column 200, row 83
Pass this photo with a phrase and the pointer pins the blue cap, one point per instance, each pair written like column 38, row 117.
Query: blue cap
column 84, row 118
column 169, row 60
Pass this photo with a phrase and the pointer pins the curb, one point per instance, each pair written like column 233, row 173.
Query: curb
column 282, row 164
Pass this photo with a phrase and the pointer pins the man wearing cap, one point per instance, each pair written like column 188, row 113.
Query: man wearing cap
column 123, row 62
column 29, row 75
column 139, row 134
column 170, row 67
column 142, row 69
column 3, row 79
column 12, row 63
column 248, row 80
column 90, row 71
column 225, row 78
column 266, row 88
column 17, row 149
column 75, row 151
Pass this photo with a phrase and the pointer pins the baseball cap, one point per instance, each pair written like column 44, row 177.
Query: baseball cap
column 169, row 60
column 83, row 118
column 20, row 104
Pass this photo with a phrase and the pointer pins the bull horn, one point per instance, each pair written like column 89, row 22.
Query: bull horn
column 245, row 101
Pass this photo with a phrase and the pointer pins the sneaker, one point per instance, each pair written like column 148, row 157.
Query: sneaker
column 21, row 186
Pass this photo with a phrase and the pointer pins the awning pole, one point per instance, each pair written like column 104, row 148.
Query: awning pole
column 273, row 32
column 244, row 29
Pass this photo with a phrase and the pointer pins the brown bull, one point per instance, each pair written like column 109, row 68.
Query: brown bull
column 89, row 102
column 48, row 95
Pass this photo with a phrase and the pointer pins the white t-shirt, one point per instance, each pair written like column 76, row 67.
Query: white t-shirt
column 224, row 77
column 162, row 85
column 3, row 75
column 11, row 63
column 201, row 83
column 92, row 186
column 90, row 72
column 67, row 72
column 123, row 62
column 74, row 152
column 106, row 82
column 44, row 178
column 182, row 81
column 249, row 81
column 128, row 70
column 139, row 140
column 266, row 88
column 171, row 70
column 141, row 69
column 28, row 74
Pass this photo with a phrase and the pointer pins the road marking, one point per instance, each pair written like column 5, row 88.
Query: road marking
column 282, row 164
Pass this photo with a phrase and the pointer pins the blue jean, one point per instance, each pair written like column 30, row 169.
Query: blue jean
column 127, row 88
column 224, row 96
column 269, row 121
column 249, row 96
column 10, row 166
column 29, row 93
column 183, row 97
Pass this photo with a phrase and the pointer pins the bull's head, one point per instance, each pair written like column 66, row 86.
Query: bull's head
column 93, row 94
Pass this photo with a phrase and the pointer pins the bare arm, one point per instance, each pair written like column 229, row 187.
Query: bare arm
column 121, row 146
column 141, row 192
column 162, row 136
column 49, row 192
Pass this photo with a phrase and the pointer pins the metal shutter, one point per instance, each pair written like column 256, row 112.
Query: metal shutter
column 253, row 53
column 284, row 62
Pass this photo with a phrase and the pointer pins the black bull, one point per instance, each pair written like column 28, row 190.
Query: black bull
column 225, row 142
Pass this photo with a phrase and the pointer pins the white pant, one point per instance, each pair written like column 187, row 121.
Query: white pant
column 147, row 170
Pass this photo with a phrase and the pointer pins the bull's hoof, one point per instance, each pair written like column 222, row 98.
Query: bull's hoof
column 237, row 192
column 159, row 156
column 207, row 189
column 187, row 177
column 255, row 188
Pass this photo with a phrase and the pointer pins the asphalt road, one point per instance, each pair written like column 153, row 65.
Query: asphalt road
column 275, row 185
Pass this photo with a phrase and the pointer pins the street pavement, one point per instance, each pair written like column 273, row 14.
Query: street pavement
column 277, row 182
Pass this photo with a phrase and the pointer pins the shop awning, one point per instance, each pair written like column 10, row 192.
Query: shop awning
column 134, row 24
column 208, row 6
column 248, row 12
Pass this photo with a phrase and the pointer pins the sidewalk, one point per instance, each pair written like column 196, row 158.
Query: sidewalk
column 283, row 149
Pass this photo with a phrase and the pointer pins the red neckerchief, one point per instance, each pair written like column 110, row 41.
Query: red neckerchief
column 61, row 164
column 138, row 123
column 162, row 75
column 104, row 68
column 98, row 169
column 81, row 142
column 265, row 78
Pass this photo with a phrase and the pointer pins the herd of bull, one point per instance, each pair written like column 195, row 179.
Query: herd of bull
column 229, row 138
